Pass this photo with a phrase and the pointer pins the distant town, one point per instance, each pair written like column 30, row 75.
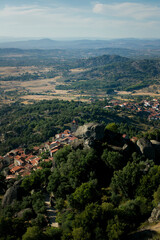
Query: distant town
column 152, row 107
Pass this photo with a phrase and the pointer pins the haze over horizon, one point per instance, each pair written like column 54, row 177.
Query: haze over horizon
column 83, row 19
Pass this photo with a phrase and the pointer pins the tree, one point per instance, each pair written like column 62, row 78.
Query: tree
column 88, row 224
column 112, row 127
column 112, row 159
column 149, row 183
column 40, row 221
column 84, row 195
column 53, row 233
column 33, row 233
column 36, row 180
column 135, row 211
column 156, row 197
column 3, row 185
column 124, row 182
column 115, row 229
column 11, row 228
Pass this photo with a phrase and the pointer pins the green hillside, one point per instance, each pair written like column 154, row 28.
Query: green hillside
column 28, row 125
column 107, row 72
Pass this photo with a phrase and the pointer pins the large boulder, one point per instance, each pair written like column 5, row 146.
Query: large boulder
column 12, row 194
column 146, row 148
column 156, row 146
column 155, row 215
column 90, row 133
column 24, row 212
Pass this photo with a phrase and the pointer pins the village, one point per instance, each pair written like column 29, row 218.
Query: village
column 151, row 107
column 21, row 162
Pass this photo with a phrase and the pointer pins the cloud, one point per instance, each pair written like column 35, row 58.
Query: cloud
column 35, row 20
column 10, row 11
column 30, row 10
column 57, row 21
column 136, row 11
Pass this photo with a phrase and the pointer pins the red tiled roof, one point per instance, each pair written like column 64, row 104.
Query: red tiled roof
column 26, row 173
column 59, row 135
column 64, row 139
column 16, row 169
column 11, row 166
column 36, row 148
column 17, row 149
column 66, row 131
column 24, row 155
column 21, row 152
column 38, row 159
column 46, row 160
column 54, row 142
column 34, row 162
column 30, row 157
column 54, row 150
column 72, row 138
column 17, row 157
column 20, row 161
column 10, row 176
column 29, row 166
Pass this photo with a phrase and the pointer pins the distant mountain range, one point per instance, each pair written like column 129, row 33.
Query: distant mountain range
column 84, row 44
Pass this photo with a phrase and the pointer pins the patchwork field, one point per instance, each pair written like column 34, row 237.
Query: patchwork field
column 16, row 71
column 39, row 89
column 83, row 80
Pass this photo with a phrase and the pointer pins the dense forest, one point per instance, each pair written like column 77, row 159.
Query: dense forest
column 106, row 73
column 98, row 192
column 33, row 124
column 105, row 191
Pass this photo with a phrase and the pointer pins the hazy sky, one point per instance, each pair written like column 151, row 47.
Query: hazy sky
column 80, row 19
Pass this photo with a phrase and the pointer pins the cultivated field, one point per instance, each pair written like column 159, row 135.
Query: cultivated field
column 40, row 89
column 45, row 88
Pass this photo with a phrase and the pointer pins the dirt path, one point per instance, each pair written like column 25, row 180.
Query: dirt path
column 155, row 227
column 51, row 212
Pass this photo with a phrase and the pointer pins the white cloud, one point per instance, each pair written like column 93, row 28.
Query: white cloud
column 116, row 20
column 137, row 11
column 10, row 11
column 38, row 21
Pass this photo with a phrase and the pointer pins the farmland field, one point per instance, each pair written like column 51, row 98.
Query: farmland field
column 38, row 75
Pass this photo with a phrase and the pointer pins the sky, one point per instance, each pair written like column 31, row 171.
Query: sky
column 79, row 19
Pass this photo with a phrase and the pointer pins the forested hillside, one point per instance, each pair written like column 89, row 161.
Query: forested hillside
column 81, row 71
column 102, row 186
column 106, row 73
column 28, row 125
column 99, row 191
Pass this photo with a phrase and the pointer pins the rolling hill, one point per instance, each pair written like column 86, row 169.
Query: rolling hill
column 106, row 73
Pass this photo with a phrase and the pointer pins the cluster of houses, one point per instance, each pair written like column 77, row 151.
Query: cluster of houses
column 21, row 162
column 152, row 107
column 59, row 141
